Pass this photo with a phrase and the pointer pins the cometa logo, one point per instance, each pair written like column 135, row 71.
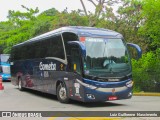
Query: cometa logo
column 50, row 66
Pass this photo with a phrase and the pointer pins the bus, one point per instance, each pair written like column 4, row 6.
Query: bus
column 86, row 64
column 5, row 67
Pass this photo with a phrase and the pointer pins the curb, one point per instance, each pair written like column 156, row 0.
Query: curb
column 146, row 94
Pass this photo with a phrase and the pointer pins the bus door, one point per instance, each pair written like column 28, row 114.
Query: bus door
column 76, row 61
column 76, row 53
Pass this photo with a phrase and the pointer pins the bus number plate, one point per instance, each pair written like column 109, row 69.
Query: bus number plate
column 112, row 98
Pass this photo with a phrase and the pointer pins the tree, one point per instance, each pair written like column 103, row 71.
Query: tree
column 150, row 29
column 26, row 25
column 18, row 18
column 69, row 19
column 129, row 21
column 17, row 28
column 44, row 22
column 102, row 7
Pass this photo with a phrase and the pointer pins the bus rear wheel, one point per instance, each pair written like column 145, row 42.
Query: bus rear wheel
column 62, row 93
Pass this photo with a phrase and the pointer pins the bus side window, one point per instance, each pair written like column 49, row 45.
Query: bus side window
column 75, row 60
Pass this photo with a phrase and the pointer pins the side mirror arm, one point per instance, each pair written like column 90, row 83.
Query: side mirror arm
column 138, row 49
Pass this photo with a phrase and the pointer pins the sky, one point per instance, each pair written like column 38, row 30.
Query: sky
column 42, row 5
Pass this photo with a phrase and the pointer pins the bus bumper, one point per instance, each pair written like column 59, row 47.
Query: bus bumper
column 96, row 95
column 6, row 77
column 121, row 90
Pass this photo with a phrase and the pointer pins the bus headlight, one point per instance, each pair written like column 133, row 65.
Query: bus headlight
column 129, row 84
column 86, row 85
column 130, row 94
column 90, row 96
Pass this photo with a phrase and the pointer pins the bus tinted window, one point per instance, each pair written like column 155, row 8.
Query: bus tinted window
column 17, row 53
column 69, row 37
column 50, row 47
column 40, row 49
column 55, row 48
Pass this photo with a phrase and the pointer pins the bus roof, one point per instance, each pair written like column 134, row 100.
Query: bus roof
column 79, row 30
column 4, row 54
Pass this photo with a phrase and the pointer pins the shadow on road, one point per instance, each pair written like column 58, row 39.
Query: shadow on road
column 77, row 103
column 95, row 104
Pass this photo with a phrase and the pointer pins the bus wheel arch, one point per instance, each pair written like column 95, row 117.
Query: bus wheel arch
column 61, row 92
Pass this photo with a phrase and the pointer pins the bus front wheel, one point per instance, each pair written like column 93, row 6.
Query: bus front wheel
column 62, row 93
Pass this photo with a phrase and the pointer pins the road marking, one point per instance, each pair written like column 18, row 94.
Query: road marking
column 83, row 118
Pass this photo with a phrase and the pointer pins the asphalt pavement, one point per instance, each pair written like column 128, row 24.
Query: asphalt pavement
column 14, row 100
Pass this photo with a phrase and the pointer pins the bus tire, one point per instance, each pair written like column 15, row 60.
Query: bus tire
column 62, row 93
column 20, row 85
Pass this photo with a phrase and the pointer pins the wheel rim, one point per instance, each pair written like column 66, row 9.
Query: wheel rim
column 62, row 93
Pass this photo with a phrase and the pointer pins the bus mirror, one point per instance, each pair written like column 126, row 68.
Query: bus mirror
column 135, row 51
column 74, row 67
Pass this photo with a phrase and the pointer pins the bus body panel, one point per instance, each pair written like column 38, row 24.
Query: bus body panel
column 36, row 72
column 45, row 80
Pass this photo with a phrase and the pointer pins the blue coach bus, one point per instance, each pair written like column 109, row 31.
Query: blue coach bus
column 81, row 63
column 5, row 67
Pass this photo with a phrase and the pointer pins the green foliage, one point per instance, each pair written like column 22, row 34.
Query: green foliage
column 69, row 19
column 43, row 22
column 17, row 16
column 129, row 21
column 14, row 36
column 25, row 25
column 150, row 29
column 146, row 72
column 17, row 28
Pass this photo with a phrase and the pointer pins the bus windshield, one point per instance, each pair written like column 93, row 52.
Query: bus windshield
column 106, row 57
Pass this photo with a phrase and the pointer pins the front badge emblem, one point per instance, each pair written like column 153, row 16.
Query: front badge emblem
column 113, row 91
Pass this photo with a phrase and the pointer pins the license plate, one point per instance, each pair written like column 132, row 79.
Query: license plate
column 112, row 98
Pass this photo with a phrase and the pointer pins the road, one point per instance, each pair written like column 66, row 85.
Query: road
column 11, row 99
